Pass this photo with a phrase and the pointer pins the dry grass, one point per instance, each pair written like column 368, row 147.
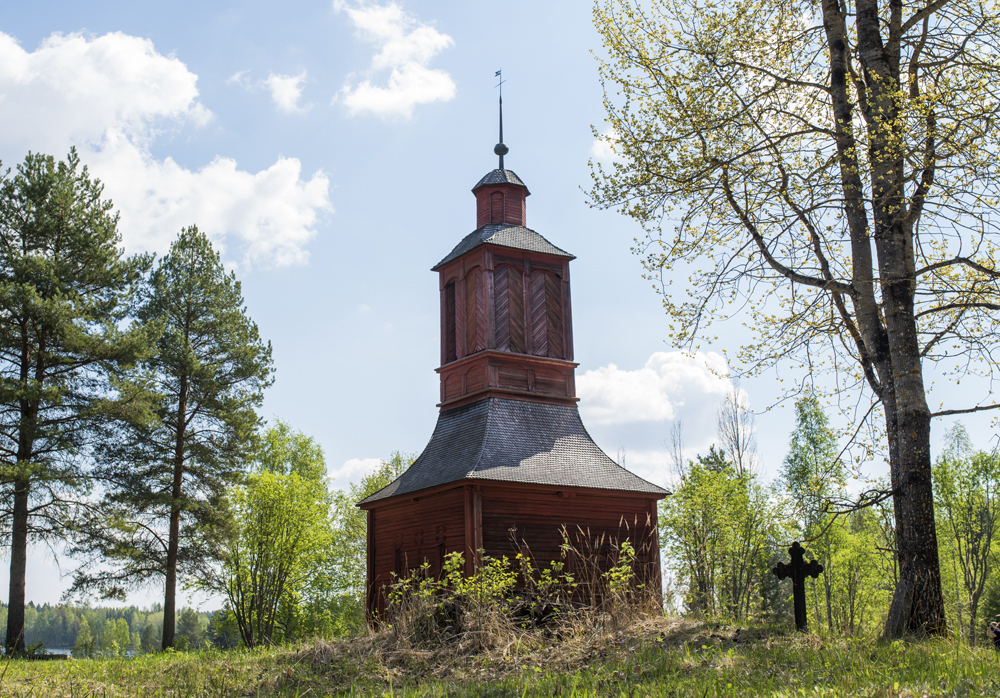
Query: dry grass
column 383, row 661
column 666, row 657
column 599, row 584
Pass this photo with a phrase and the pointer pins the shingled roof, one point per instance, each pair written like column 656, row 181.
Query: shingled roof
column 516, row 237
column 500, row 177
column 514, row 441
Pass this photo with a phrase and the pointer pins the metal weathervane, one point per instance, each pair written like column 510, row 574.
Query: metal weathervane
column 501, row 149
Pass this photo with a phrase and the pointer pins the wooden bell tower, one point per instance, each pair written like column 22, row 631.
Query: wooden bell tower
column 509, row 452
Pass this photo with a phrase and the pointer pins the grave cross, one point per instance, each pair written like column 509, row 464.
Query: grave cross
column 798, row 569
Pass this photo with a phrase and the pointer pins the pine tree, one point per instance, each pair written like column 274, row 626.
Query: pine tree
column 65, row 290
column 165, row 512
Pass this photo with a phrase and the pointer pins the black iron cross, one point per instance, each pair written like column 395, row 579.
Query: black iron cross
column 798, row 569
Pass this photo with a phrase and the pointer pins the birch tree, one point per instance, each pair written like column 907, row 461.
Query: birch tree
column 827, row 172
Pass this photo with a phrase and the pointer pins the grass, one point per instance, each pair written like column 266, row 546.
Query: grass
column 659, row 657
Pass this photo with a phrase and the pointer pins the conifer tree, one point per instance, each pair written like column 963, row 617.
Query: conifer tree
column 65, row 291
column 189, row 627
column 165, row 513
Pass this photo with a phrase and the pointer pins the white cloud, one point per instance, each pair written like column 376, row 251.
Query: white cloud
column 286, row 90
column 659, row 391
column 71, row 89
column 112, row 96
column 259, row 219
column 240, row 78
column 406, row 46
column 353, row 470
column 629, row 412
column 602, row 149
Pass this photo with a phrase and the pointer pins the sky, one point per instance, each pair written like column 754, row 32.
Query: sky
column 328, row 149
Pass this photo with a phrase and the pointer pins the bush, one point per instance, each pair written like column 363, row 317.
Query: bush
column 507, row 598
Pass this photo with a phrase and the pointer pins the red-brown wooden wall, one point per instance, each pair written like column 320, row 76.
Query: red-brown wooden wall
column 501, row 519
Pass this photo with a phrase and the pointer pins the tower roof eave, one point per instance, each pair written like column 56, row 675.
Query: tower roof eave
column 501, row 177
column 515, row 237
column 514, row 441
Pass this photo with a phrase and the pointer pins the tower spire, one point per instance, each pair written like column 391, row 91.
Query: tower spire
column 500, row 148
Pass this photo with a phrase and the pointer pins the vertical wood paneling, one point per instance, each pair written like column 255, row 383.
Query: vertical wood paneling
column 460, row 286
column 481, row 311
column 449, row 339
column 500, row 204
column 554, row 315
column 475, row 311
column 537, row 305
column 480, row 299
column 515, row 308
column 370, row 595
column 501, row 308
column 567, row 315
column 514, row 209
column 482, row 208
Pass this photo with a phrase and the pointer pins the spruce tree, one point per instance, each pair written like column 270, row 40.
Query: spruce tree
column 65, row 291
column 165, row 513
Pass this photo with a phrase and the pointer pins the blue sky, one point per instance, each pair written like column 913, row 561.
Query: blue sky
column 329, row 149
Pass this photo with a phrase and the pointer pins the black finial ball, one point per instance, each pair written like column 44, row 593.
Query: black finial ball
column 501, row 149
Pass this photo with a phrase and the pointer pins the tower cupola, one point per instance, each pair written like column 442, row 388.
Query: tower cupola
column 500, row 199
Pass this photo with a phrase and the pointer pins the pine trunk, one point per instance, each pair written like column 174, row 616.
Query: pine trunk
column 173, row 542
column 18, row 568
column 170, row 591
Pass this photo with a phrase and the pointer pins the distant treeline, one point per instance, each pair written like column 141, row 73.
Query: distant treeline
column 116, row 630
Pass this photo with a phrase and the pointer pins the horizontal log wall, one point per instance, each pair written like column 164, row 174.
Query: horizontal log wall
column 408, row 533
column 515, row 520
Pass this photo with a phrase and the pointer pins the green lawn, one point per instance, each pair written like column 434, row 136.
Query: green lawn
column 656, row 658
